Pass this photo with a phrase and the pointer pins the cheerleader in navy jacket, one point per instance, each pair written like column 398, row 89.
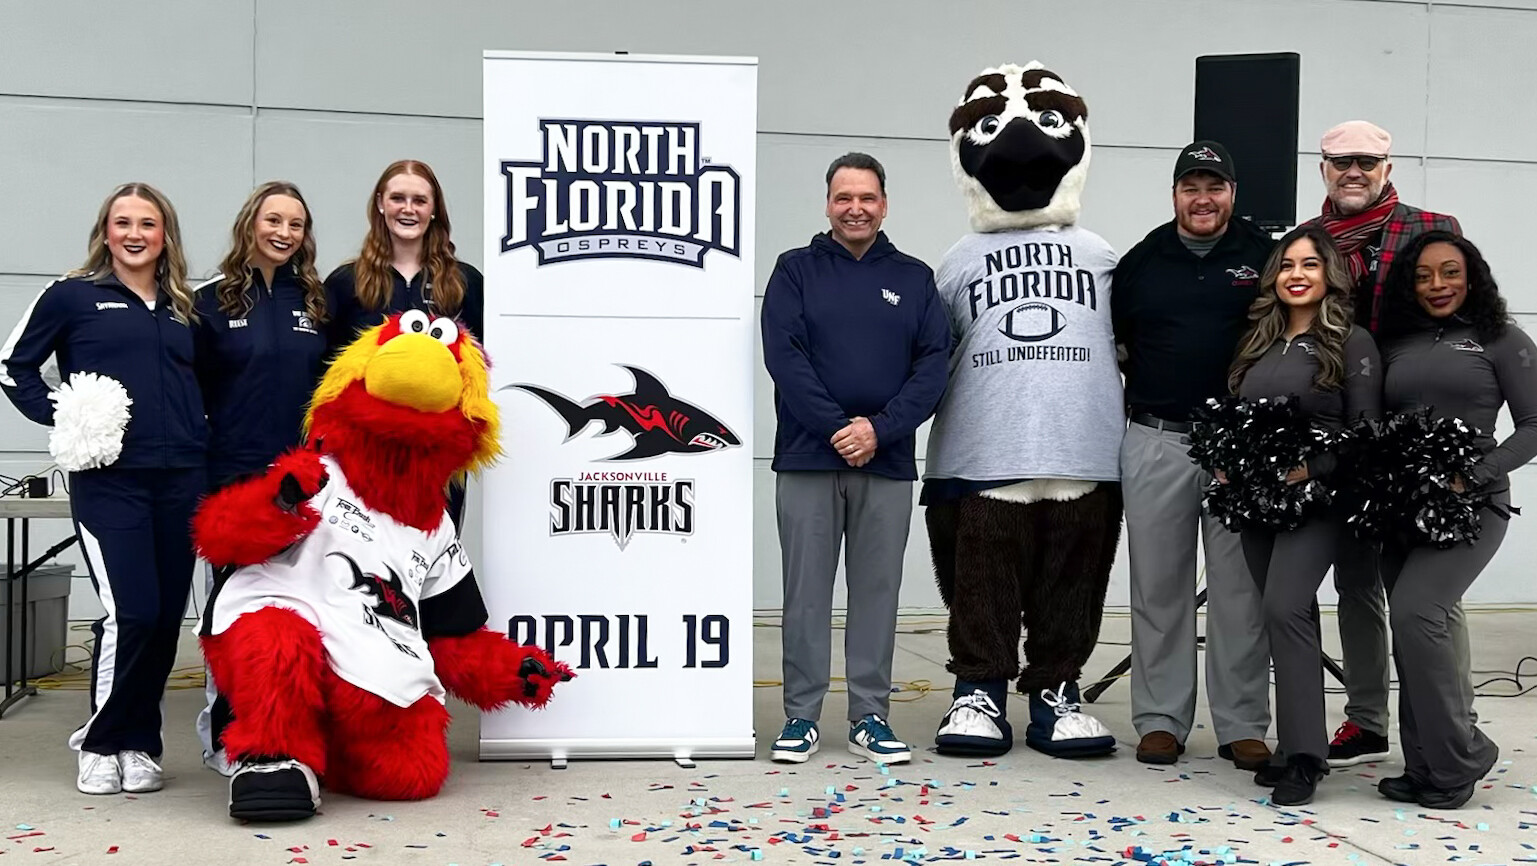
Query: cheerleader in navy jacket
column 125, row 315
column 1302, row 345
column 407, row 263
column 261, row 348
column 1449, row 347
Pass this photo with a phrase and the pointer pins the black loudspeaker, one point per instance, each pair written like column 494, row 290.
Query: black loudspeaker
column 1249, row 103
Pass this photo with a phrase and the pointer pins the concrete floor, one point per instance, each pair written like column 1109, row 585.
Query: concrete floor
column 835, row 810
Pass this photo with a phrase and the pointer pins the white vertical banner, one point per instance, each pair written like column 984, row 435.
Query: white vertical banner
column 618, row 531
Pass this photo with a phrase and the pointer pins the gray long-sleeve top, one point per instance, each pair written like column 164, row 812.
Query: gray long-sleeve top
column 1287, row 369
column 1446, row 367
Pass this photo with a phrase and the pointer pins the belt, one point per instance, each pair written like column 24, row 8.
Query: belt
column 1160, row 424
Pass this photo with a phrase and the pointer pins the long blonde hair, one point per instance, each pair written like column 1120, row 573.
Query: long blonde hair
column 170, row 268
column 234, row 300
column 371, row 269
column 1331, row 326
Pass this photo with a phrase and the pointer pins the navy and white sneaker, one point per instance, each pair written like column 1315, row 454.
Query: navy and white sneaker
column 797, row 742
column 977, row 722
column 1059, row 728
column 872, row 738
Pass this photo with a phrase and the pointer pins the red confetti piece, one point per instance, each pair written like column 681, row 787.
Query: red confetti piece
column 491, row 814
column 332, row 843
column 41, row 850
column 639, row 837
column 530, row 841
column 1286, row 838
column 545, row 830
column 112, row 850
column 1013, row 838
column 25, row 835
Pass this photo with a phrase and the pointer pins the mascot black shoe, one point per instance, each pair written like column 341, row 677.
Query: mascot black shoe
column 1022, row 487
column 977, row 722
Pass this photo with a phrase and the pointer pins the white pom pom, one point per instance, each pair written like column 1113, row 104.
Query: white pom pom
column 89, row 417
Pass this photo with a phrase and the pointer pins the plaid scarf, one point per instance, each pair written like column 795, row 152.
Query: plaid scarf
column 1351, row 233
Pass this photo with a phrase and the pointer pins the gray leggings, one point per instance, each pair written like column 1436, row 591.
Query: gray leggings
column 1289, row 567
column 1442, row 746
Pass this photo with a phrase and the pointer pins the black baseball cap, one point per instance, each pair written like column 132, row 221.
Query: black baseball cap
column 1205, row 156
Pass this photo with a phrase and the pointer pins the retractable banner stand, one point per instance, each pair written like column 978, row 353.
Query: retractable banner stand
column 617, row 528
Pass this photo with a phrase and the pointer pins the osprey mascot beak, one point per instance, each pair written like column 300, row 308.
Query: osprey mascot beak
column 1019, row 148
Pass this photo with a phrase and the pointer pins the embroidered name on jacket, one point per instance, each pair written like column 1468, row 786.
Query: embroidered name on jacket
column 621, row 189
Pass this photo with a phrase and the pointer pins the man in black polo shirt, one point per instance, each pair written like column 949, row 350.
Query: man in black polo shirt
column 1181, row 303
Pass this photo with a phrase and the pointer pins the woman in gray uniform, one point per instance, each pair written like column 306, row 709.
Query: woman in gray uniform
column 1450, row 346
column 1302, row 344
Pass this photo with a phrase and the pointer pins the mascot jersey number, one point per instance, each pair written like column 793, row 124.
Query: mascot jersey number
column 1022, row 479
column 348, row 608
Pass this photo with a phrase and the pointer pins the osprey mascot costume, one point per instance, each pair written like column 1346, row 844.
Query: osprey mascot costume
column 347, row 606
column 1022, row 481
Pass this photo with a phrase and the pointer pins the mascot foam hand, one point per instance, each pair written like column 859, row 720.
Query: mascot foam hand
column 485, row 669
column 254, row 520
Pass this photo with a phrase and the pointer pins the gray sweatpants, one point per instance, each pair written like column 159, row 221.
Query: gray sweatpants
column 868, row 516
column 1442, row 745
column 1289, row 567
column 1162, row 490
column 1363, row 623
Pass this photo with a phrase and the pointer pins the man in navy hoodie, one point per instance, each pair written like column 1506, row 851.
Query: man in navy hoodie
column 858, row 345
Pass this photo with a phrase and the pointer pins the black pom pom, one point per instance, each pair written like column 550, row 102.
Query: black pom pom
column 1400, row 485
column 1255, row 444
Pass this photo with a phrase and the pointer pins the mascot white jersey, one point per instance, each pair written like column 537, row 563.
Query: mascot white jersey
column 1022, row 479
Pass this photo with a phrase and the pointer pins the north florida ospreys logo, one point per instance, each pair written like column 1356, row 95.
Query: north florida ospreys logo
column 658, row 423
column 621, row 189
column 386, row 598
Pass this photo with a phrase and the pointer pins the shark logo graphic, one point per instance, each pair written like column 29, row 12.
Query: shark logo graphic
column 1205, row 153
column 658, row 422
column 1244, row 272
column 1465, row 346
column 388, row 597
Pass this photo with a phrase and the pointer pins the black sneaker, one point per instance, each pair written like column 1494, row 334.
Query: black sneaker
column 1298, row 782
column 1445, row 798
column 1400, row 789
column 1354, row 744
column 273, row 788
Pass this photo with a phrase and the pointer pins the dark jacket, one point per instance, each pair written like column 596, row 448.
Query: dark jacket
column 1445, row 366
column 96, row 324
column 1180, row 315
column 257, row 372
column 349, row 317
column 846, row 337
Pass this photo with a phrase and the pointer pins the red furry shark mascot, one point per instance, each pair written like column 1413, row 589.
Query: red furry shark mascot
column 347, row 606
column 1022, row 480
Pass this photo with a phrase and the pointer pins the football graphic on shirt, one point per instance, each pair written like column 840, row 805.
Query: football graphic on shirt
column 1032, row 322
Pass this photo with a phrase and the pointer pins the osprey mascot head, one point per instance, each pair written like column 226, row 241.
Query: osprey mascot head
column 345, row 607
column 1024, row 451
column 1019, row 147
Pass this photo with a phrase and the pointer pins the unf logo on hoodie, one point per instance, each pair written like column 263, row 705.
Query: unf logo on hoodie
column 621, row 189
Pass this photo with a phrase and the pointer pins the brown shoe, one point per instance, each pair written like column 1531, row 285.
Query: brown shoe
column 1245, row 754
column 1159, row 747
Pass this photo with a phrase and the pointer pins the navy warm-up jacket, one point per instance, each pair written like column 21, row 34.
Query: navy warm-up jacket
column 257, row 371
column 348, row 317
column 96, row 324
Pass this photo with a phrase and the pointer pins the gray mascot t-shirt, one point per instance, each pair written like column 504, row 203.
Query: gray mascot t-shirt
column 1035, row 391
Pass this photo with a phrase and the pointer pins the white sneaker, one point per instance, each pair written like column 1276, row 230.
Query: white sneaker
column 99, row 774
column 140, row 773
column 220, row 763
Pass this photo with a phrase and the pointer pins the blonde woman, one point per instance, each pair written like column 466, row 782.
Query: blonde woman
column 261, row 348
column 126, row 314
column 407, row 263
column 1301, row 344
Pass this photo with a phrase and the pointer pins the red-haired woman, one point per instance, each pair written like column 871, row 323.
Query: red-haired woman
column 407, row 263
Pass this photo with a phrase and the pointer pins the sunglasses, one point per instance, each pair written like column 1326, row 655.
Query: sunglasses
column 1367, row 163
